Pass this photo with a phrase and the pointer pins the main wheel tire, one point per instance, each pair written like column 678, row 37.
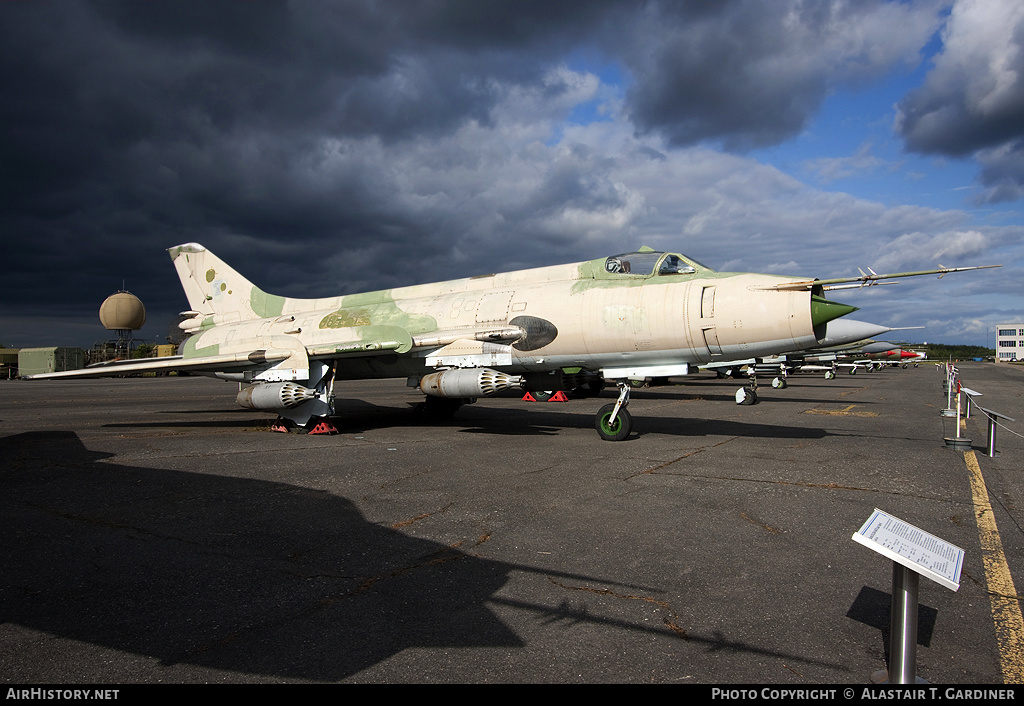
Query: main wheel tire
column 619, row 429
column 746, row 395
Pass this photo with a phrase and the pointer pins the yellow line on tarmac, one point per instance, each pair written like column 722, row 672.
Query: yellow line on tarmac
column 1006, row 612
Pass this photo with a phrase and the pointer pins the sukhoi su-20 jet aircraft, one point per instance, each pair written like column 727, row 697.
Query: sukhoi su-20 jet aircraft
column 629, row 317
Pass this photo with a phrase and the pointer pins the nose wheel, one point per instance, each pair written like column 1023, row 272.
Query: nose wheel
column 613, row 422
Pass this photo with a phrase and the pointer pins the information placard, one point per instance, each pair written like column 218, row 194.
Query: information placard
column 912, row 547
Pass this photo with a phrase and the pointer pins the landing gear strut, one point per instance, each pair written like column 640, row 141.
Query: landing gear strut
column 614, row 422
column 748, row 395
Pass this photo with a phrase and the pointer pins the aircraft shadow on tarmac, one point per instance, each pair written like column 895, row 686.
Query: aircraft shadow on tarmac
column 496, row 421
column 234, row 574
column 766, row 395
column 541, row 418
column 549, row 418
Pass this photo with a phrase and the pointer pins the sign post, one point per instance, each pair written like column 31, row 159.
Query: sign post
column 913, row 552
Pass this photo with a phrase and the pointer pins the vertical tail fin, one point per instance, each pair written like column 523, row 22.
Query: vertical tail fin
column 214, row 288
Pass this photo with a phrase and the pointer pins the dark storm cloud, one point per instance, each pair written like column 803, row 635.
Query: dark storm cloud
column 130, row 127
column 973, row 98
column 391, row 70
column 751, row 74
column 286, row 135
column 129, row 124
column 694, row 84
column 972, row 101
column 1002, row 172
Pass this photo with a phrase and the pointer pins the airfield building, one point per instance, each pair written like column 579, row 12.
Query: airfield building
column 56, row 359
column 8, row 363
column 1009, row 342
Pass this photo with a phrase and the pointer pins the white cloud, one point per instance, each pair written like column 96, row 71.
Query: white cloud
column 833, row 168
column 945, row 248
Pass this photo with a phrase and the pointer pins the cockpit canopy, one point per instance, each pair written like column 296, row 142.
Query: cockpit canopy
column 650, row 262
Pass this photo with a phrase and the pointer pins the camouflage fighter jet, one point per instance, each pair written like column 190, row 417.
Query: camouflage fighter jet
column 629, row 317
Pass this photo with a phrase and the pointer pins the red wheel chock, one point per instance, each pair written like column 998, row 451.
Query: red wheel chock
column 324, row 426
column 557, row 397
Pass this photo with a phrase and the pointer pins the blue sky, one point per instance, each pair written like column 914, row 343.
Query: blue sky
column 850, row 146
column 334, row 147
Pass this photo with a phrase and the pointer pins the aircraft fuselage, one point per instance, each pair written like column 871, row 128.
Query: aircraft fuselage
column 569, row 316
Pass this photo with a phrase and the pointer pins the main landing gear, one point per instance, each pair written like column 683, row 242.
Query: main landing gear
column 315, row 425
column 748, row 395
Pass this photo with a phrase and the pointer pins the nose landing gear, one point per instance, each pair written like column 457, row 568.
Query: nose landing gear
column 613, row 422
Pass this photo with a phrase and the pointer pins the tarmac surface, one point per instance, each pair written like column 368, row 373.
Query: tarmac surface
column 154, row 532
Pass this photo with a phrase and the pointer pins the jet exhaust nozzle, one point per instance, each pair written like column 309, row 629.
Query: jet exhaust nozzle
column 274, row 395
column 468, row 382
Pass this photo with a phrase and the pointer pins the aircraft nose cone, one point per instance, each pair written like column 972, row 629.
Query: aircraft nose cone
column 823, row 311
